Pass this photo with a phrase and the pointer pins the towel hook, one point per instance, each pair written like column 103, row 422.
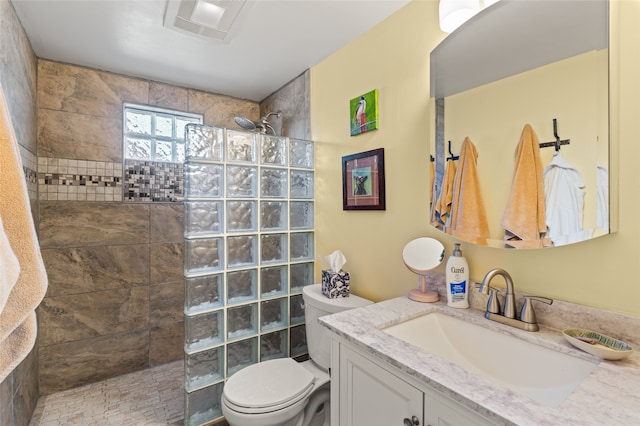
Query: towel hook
column 451, row 156
column 556, row 144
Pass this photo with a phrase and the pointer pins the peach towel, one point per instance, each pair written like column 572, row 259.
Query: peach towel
column 468, row 216
column 18, row 326
column 443, row 207
column 524, row 216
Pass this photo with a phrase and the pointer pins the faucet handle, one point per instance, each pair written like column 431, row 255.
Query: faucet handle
column 527, row 314
column 493, row 304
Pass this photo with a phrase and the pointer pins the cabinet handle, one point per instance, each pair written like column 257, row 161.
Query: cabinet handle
column 413, row 422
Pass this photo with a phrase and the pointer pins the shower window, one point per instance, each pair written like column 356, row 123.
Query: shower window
column 249, row 251
column 155, row 134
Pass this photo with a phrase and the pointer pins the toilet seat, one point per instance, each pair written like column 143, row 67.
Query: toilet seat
column 268, row 386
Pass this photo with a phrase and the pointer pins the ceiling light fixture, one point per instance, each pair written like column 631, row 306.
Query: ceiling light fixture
column 210, row 18
column 454, row 13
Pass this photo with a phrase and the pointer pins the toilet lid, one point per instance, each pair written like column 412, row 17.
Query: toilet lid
column 268, row 384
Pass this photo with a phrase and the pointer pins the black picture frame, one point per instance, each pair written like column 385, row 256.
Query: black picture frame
column 363, row 181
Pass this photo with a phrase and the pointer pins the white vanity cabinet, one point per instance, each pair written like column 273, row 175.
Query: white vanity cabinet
column 366, row 392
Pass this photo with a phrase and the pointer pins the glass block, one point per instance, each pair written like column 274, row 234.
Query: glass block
column 203, row 256
column 242, row 321
column 273, row 183
column 301, row 153
column 241, row 182
column 242, row 286
column 241, row 251
column 138, row 149
column 164, row 125
column 273, row 281
column 181, row 124
column 203, row 293
column 203, row 180
column 273, row 215
column 203, row 406
column 241, row 354
column 180, row 154
column 273, row 345
column 202, row 218
column 298, row 339
column 301, row 275
column 301, row 246
column 164, row 151
column 301, row 213
column 203, row 330
column 273, row 248
column 273, row 314
column 301, row 184
column 241, row 146
column 296, row 309
column 138, row 122
column 204, row 143
column 273, row 150
column 203, row 368
column 241, row 216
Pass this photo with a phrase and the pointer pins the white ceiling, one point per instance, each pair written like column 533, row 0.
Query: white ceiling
column 272, row 41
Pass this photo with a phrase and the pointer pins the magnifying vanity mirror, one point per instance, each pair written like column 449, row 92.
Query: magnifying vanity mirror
column 421, row 256
column 542, row 63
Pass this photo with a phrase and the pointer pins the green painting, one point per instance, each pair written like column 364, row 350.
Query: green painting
column 364, row 113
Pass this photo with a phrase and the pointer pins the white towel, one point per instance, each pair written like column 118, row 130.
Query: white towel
column 17, row 318
column 564, row 202
column 9, row 267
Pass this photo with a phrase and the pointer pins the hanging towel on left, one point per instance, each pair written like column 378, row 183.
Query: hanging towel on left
column 18, row 325
column 468, row 219
column 443, row 207
column 524, row 216
column 564, row 202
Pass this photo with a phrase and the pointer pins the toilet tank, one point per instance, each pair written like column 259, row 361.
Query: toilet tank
column 317, row 305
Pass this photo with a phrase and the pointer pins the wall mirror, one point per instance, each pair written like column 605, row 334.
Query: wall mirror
column 542, row 63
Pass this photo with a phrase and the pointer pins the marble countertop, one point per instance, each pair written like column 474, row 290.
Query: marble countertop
column 609, row 395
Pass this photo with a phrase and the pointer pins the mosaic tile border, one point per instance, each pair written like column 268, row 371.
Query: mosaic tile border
column 150, row 181
column 79, row 180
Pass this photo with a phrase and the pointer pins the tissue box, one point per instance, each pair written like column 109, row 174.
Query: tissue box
column 335, row 284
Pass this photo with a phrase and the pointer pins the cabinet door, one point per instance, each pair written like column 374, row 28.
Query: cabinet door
column 440, row 410
column 371, row 396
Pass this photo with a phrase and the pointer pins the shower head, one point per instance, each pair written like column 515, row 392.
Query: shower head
column 245, row 123
column 263, row 126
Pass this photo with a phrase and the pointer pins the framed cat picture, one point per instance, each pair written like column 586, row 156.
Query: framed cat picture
column 363, row 181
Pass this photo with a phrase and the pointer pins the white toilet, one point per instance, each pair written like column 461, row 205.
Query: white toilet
column 283, row 392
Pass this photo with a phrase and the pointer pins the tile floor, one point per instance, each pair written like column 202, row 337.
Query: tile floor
column 150, row 397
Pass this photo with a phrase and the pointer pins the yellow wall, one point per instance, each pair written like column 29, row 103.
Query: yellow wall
column 393, row 57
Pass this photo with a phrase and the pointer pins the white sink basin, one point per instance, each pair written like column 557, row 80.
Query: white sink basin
column 540, row 373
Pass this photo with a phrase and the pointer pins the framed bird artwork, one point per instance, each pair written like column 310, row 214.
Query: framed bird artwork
column 364, row 113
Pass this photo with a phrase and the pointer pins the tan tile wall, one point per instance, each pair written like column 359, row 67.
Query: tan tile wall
column 19, row 391
column 116, row 296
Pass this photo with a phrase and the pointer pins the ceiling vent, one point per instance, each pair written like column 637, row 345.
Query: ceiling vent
column 209, row 18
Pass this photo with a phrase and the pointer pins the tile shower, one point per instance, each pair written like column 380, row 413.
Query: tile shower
column 248, row 252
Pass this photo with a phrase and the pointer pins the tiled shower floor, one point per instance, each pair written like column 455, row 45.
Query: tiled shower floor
column 149, row 397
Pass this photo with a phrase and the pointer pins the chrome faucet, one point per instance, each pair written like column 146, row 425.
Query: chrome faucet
column 527, row 320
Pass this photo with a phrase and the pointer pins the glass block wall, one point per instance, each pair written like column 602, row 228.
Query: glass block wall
column 249, row 250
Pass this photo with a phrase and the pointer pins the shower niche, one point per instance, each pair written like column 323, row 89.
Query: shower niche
column 249, row 251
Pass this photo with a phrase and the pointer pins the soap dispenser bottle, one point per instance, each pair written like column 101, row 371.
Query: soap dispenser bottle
column 457, row 276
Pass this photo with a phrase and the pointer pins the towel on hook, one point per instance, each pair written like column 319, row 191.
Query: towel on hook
column 564, row 202
column 17, row 318
column 432, row 200
column 602, row 181
column 443, row 206
column 524, row 216
column 468, row 220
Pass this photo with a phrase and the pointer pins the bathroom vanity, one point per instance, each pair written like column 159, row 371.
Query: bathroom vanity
column 381, row 379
